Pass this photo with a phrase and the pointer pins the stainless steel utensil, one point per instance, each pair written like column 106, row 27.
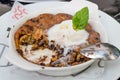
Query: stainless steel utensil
column 99, row 51
column 103, row 51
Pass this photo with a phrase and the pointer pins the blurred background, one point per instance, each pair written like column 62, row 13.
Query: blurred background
column 111, row 7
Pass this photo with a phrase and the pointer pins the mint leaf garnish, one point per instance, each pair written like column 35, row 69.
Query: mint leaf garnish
column 80, row 19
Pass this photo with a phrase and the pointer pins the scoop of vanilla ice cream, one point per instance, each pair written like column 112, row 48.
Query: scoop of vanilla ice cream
column 64, row 34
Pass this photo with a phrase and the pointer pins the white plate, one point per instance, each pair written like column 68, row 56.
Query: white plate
column 112, row 70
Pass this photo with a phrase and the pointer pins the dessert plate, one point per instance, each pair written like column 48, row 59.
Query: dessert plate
column 111, row 26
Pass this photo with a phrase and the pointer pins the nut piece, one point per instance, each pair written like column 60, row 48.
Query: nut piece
column 54, row 58
column 37, row 34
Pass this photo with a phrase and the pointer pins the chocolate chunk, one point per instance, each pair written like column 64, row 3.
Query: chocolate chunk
column 98, row 45
column 41, row 43
column 29, row 27
column 34, row 20
column 19, row 51
column 42, row 64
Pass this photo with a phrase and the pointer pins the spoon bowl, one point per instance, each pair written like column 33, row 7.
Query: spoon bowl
column 103, row 51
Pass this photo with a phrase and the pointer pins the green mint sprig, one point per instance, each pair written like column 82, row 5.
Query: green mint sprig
column 80, row 19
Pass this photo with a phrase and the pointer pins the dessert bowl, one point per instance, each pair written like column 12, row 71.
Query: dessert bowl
column 19, row 61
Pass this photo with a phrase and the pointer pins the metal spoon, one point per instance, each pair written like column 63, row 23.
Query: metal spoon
column 100, row 51
column 103, row 51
